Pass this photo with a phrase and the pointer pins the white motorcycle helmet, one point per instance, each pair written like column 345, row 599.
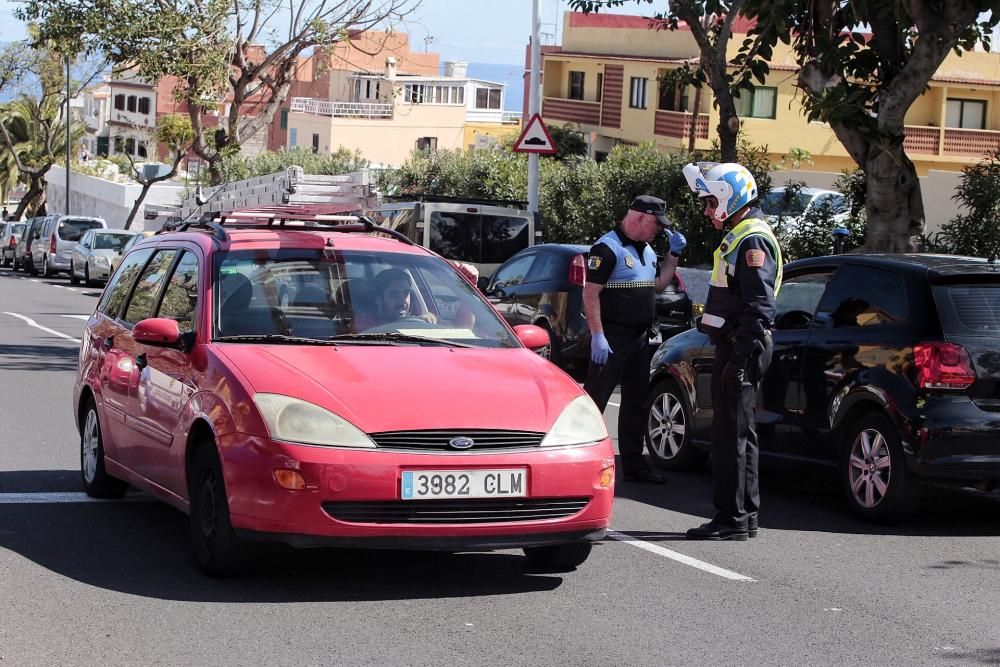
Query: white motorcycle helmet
column 730, row 183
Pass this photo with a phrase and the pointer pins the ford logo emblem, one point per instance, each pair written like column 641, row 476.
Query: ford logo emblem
column 461, row 443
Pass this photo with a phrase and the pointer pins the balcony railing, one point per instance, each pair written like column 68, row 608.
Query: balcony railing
column 511, row 117
column 341, row 109
column 678, row 124
column 576, row 111
column 953, row 141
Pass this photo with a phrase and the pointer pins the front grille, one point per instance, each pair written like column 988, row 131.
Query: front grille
column 485, row 510
column 438, row 440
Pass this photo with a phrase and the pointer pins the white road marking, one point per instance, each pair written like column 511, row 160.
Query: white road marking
column 59, row 497
column 77, row 317
column 679, row 557
column 33, row 323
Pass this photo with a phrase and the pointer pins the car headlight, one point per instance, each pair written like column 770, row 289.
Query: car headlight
column 103, row 261
column 294, row 420
column 580, row 423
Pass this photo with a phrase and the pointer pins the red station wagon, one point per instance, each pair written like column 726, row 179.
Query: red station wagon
column 333, row 385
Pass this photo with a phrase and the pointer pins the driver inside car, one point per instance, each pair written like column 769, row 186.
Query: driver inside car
column 393, row 301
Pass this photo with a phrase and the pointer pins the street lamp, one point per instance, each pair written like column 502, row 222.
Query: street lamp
column 68, row 146
column 427, row 40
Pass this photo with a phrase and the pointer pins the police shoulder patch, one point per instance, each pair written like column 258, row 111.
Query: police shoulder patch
column 755, row 258
column 594, row 262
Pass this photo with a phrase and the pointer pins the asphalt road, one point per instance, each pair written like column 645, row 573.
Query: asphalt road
column 113, row 583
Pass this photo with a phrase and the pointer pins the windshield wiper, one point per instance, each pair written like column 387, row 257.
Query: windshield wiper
column 391, row 337
column 277, row 339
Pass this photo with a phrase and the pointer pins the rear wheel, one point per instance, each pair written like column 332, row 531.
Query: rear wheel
column 96, row 481
column 558, row 556
column 216, row 546
column 31, row 266
column 46, row 271
column 873, row 471
column 668, row 429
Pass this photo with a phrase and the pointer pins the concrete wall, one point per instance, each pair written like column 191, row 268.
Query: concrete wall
column 90, row 195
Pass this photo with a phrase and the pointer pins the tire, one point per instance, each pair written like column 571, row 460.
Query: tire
column 558, row 557
column 217, row 549
column 86, row 276
column 669, row 424
column 31, row 267
column 72, row 275
column 46, row 272
column 97, row 483
column 873, row 471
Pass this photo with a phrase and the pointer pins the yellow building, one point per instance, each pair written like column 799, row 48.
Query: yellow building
column 605, row 79
column 388, row 110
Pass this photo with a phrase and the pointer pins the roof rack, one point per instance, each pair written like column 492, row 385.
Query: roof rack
column 216, row 222
column 424, row 197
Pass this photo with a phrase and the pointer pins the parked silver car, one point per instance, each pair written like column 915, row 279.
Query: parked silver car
column 92, row 256
column 8, row 242
column 52, row 248
column 22, row 251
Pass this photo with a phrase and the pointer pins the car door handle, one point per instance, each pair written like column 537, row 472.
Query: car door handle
column 141, row 361
column 109, row 342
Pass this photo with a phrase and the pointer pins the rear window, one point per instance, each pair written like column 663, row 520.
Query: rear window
column 71, row 229
column 968, row 309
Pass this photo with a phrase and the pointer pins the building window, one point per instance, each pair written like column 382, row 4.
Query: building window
column 487, row 98
column 131, row 103
column 284, row 119
column 759, row 102
column 144, row 105
column 600, row 85
column 293, row 137
column 414, row 93
column 576, row 85
column 140, row 150
column 637, row 97
column 969, row 114
column 672, row 97
column 315, row 143
column 120, row 102
column 427, row 144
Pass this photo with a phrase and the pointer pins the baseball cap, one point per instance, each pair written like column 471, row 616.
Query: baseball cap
column 651, row 205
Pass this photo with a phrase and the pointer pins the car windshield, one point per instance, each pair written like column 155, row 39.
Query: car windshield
column 304, row 296
column 111, row 241
column 784, row 202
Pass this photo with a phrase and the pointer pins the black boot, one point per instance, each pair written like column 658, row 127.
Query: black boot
column 715, row 531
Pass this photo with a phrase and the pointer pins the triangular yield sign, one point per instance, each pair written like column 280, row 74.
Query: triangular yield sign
column 535, row 138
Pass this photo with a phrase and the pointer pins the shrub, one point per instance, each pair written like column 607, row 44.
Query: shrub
column 975, row 232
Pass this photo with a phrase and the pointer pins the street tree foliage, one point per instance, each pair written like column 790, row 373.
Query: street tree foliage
column 341, row 161
column 975, row 232
column 174, row 131
column 711, row 25
column 579, row 199
column 212, row 49
column 863, row 83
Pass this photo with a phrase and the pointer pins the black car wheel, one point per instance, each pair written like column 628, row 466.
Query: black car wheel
column 72, row 275
column 559, row 557
column 873, row 471
column 668, row 429
column 46, row 271
column 97, row 483
column 216, row 546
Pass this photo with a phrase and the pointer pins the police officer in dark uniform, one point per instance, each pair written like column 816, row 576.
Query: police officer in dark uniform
column 739, row 312
column 619, row 299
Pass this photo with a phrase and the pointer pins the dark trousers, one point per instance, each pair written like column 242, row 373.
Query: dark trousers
column 628, row 365
column 735, row 453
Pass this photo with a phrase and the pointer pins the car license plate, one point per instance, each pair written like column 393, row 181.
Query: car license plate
column 430, row 484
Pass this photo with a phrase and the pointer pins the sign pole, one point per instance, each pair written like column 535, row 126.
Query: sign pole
column 533, row 106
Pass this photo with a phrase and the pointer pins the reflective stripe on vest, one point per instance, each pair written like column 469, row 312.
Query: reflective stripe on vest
column 722, row 264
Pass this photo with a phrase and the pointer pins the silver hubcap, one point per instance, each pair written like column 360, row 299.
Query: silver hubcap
column 91, row 440
column 666, row 426
column 870, row 468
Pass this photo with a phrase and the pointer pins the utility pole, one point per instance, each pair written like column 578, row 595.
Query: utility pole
column 69, row 148
column 536, row 63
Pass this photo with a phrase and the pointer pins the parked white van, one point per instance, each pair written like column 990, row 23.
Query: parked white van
column 483, row 233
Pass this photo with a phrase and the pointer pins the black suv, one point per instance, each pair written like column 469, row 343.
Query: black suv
column 886, row 366
column 543, row 285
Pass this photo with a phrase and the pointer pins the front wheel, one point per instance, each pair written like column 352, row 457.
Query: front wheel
column 873, row 471
column 216, row 546
column 668, row 429
column 559, row 556
column 97, row 483
column 46, row 271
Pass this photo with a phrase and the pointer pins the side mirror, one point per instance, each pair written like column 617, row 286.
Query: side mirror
column 532, row 337
column 158, row 332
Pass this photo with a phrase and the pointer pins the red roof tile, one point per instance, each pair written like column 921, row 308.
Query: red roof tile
column 622, row 21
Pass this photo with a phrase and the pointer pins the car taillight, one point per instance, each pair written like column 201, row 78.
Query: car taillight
column 52, row 244
column 577, row 271
column 13, row 242
column 943, row 365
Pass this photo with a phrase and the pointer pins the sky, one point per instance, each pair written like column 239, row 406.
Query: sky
column 479, row 31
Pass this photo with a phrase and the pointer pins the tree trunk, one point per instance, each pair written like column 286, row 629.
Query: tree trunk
column 729, row 129
column 693, row 130
column 137, row 204
column 894, row 206
column 35, row 195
